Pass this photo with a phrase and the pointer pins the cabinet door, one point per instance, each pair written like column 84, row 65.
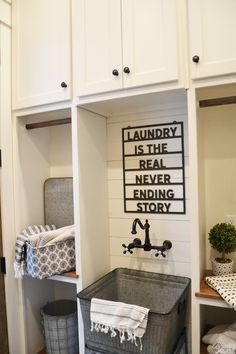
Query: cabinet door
column 212, row 25
column 5, row 115
column 99, row 46
column 41, row 52
column 5, row 12
column 149, row 41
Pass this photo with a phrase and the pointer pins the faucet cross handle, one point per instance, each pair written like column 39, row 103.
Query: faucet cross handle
column 126, row 249
column 160, row 253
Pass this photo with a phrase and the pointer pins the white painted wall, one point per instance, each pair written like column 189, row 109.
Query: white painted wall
column 32, row 168
column 60, row 151
column 41, row 153
column 175, row 228
column 217, row 161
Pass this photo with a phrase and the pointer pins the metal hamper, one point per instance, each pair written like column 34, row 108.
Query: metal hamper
column 60, row 324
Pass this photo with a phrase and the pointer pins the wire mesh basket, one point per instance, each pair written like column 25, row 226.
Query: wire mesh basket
column 60, row 327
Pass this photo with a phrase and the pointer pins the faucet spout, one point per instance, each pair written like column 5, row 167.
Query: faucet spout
column 146, row 226
column 134, row 226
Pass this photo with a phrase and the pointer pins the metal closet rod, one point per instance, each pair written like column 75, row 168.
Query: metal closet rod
column 48, row 123
column 217, row 101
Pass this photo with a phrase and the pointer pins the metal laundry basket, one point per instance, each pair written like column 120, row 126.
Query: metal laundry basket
column 60, row 326
column 165, row 295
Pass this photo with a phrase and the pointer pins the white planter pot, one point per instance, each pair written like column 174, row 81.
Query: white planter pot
column 222, row 268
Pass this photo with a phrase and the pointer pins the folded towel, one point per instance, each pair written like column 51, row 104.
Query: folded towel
column 213, row 334
column 20, row 252
column 225, row 285
column 50, row 237
column 129, row 320
column 38, row 236
column 221, row 339
column 219, row 349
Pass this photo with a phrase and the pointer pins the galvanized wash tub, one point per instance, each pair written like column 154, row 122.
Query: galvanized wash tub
column 165, row 295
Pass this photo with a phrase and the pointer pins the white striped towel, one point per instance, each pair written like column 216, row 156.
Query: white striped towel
column 129, row 320
column 48, row 238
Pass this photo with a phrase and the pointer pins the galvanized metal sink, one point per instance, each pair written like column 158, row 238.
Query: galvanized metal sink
column 165, row 295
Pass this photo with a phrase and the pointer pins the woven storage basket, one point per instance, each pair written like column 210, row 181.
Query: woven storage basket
column 60, row 326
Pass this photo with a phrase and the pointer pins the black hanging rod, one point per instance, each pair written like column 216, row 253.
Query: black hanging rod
column 217, row 101
column 49, row 123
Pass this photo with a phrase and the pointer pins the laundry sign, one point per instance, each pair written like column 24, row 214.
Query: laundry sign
column 153, row 169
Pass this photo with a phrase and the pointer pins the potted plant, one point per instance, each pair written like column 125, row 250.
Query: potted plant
column 222, row 237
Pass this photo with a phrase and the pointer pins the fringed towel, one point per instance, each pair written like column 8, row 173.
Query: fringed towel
column 225, row 285
column 128, row 320
column 221, row 339
column 38, row 236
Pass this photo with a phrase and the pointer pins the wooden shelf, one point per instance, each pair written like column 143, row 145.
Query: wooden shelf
column 43, row 351
column 70, row 274
column 68, row 277
column 203, row 349
column 206, row 291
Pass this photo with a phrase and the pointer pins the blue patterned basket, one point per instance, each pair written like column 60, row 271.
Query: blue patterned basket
column 43, row 262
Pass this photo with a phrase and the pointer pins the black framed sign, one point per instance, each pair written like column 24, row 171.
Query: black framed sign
column 153, row 169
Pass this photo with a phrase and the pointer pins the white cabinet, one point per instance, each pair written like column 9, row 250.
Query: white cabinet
column 212, row 162
column 48, row 148
column 126, row 43
column 212, row 28
column 6, row 182
column 149, row 41
column 99, row 46
column 41, row 52
column 5, row 12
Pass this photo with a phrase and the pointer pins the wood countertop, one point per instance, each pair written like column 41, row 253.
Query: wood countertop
column 206, row 291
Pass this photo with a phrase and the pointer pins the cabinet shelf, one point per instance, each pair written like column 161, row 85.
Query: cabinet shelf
column 71, row 274
column 43, row 351
column 68, row 277
column 206, row 291
column 203, row 349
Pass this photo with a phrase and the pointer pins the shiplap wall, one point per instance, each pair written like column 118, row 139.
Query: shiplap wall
column 172, row 227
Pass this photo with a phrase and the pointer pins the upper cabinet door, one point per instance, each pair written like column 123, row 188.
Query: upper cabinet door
column 99, row 53
column 5, row 12
column 149, row 41
column 41, row 52
column 212, row 25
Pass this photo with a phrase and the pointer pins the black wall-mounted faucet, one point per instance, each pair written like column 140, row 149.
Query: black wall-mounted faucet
column 147, row 246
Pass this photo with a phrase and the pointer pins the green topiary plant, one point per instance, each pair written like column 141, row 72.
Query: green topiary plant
column 222, row 237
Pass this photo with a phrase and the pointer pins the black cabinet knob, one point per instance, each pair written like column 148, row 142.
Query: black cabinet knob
column 195, row 58
column 115, row 72
column 126, row 70
column 63, row 84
